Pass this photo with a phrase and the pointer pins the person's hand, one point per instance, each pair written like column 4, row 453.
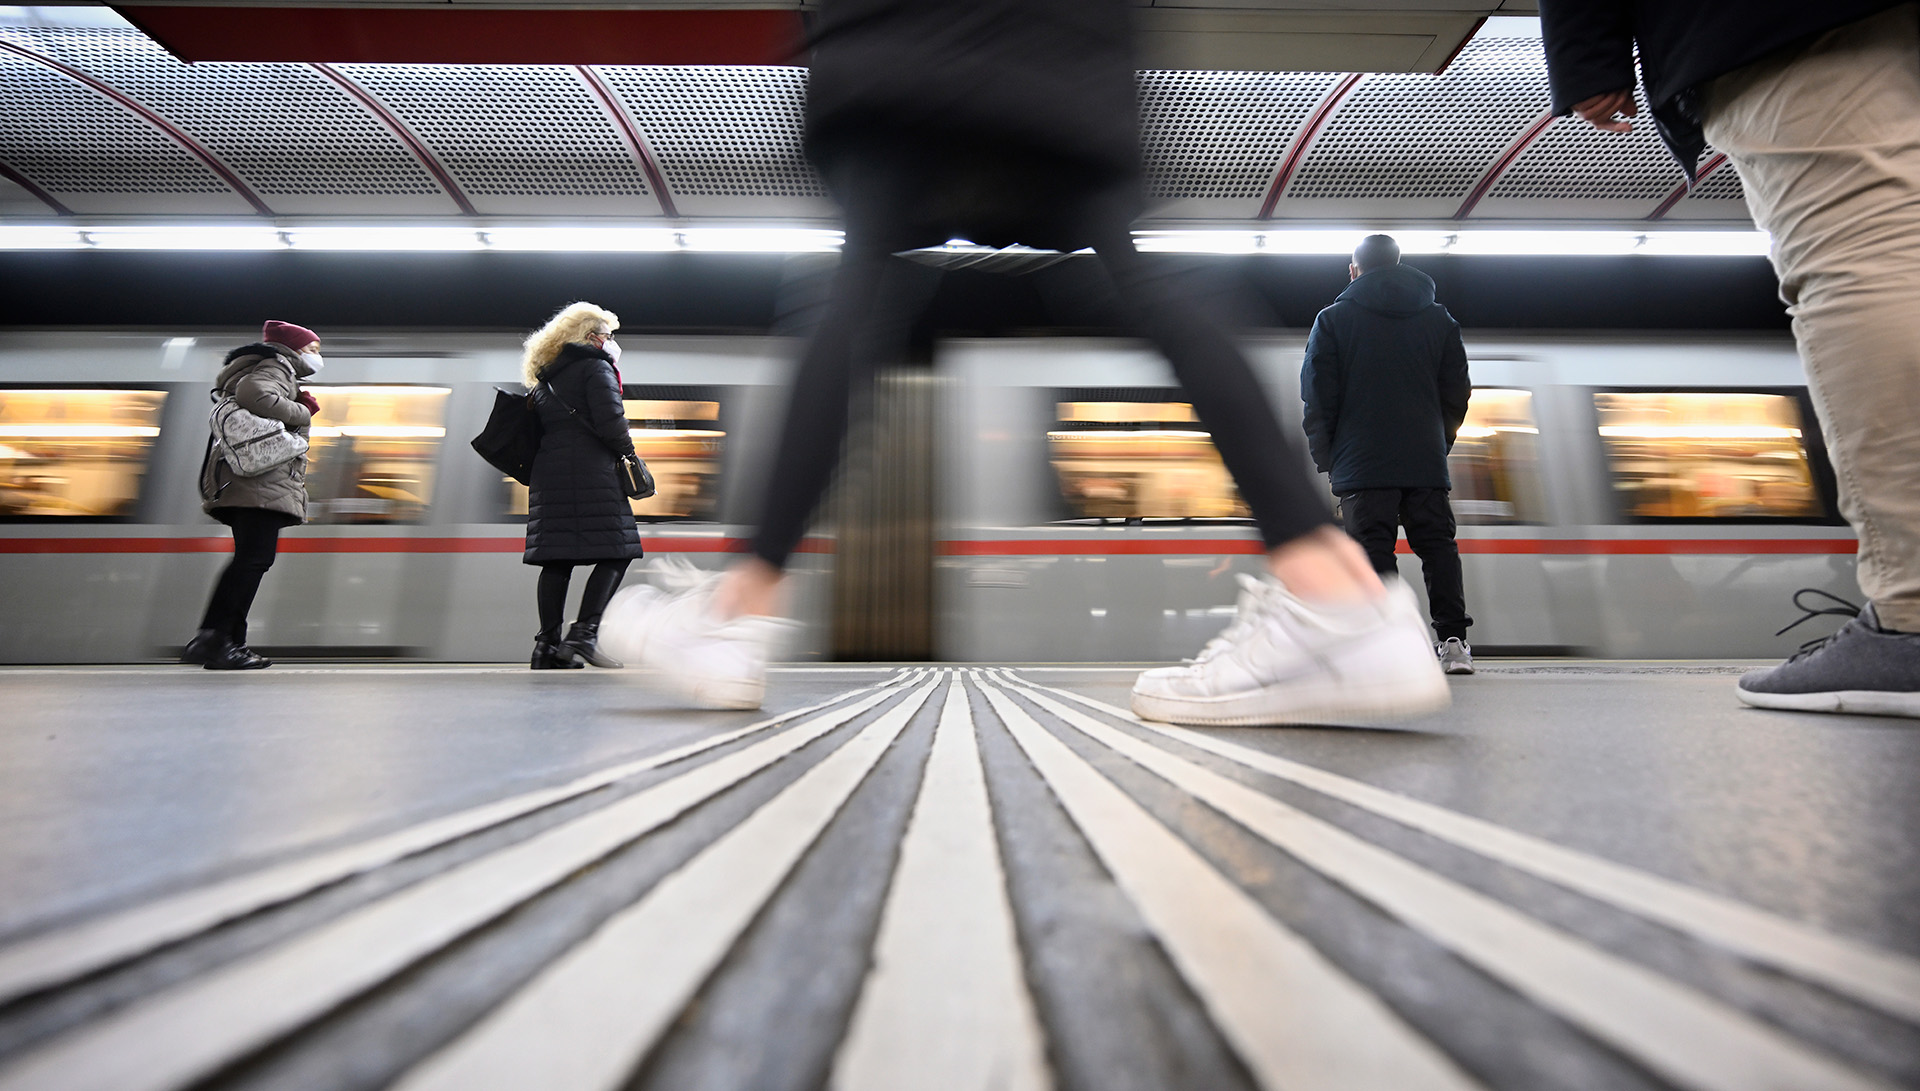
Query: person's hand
column 1609, row 112
column 312, row 403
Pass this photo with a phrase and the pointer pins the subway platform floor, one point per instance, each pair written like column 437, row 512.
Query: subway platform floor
column 1584, row 874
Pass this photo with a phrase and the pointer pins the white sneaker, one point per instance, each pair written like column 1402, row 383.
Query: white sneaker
column 1285, row 661
column 1456, row 655
column 710, row 663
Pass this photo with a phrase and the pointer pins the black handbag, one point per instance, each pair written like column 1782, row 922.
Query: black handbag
column 512, row 435
column 635, row 479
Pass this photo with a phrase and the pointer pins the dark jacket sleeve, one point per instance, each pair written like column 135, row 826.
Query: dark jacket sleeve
column 1320, row 381
column 606, row 410
column 1589, row 45
column 1456, row 386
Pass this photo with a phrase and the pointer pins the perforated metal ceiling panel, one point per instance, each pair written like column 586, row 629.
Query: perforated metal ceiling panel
column 1574, row 166
column 115, row 131
column 727, row 140
column 295, row 139
column 1720, row 197
column 93, row 155
column 1212, row 139
column 517, row 139
column 1416, row 145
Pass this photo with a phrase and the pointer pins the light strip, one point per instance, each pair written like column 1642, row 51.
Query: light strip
column 77, row 431
column 575, row 238
column 1698, row 431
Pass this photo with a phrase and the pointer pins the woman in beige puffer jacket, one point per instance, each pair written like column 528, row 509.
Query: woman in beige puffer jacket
column 264, row 379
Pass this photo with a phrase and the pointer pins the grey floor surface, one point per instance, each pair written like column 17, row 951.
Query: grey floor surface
column 1582, row 875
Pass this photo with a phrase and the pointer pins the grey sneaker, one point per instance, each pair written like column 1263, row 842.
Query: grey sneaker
column 1862, row 669
column 1456, row 656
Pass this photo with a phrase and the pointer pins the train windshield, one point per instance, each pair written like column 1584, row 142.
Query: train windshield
column 373, row 452
column 1708, row 455
column 1495, row 462
column 75, row 453
column 1140, row 460
column 681, row 440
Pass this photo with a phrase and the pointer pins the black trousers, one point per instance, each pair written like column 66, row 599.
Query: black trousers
column 1374, row 518
column 256, row 542
column 602, row 582
column 868, row 316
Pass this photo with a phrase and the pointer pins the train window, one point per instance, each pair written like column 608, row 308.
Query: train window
column 1495, row 462
column 75, row 453
column 1708, row 455
column 681, row 440
column 1139, row 460
column 373, row 452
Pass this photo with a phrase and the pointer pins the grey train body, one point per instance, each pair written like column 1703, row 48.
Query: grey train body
column 1017, row 575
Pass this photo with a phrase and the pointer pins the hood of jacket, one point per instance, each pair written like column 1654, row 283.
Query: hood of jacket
column 246, row 357
column 1395, row 290
column 570, row 354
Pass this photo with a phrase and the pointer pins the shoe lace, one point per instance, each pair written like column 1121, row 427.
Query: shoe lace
column 1245, row 611
column 1843, row 609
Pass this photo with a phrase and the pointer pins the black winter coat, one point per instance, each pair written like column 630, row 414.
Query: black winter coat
column 1005, row 108
column 1683, row 45
column 576, row 510
column 1385, row 383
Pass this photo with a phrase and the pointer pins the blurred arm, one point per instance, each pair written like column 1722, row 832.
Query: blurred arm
column 1589, row 46
column 1320, row 379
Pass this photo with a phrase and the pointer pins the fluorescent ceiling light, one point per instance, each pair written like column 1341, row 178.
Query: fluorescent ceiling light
column 186, row 237
column 39, row 238
column 621, row 240
column 742, row 239
column 761, row 240
column 384, row 238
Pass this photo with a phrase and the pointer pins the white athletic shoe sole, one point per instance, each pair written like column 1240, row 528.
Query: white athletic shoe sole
column 1860, row 702
column 704, row 664
column 1316, row 701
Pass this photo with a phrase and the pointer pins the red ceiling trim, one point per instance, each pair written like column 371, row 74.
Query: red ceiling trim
column 193, row 147
column 1713, row 163
column 400, row 131
column 441, row 34
column 1461, row 48
column 635, row 142
column 28, row 184
column 1500, row 165
column 1303, row 140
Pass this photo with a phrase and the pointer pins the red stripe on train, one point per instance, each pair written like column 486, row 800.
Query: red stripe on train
column 1030, row 547
column 296, row 544
column 1019, row 547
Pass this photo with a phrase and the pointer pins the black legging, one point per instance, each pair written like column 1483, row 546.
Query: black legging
column 256, row 541
column 863, row 320
column 602, row 582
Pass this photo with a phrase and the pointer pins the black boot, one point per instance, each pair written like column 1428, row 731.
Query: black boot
column 583, row 640
column 551, row 655
column 236, row 657
column 204, row 646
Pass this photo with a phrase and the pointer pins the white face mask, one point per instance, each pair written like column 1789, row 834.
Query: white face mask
column 611, row 348
column 313, row 361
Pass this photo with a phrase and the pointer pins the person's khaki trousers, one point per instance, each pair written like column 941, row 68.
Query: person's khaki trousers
column 1827, row 142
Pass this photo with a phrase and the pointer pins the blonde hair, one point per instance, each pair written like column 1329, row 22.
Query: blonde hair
column 575, row 323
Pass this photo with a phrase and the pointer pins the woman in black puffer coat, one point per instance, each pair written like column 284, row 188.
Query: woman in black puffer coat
column 577, row 512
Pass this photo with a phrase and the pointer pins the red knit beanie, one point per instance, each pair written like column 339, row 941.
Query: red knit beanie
column 288, row 334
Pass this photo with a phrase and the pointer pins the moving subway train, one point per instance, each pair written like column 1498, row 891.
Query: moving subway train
column 1026, row 500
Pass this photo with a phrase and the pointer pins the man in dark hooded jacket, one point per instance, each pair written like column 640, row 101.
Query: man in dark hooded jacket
column 1385, row 384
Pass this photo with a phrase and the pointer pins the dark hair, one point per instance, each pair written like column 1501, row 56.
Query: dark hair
column 1376, row 252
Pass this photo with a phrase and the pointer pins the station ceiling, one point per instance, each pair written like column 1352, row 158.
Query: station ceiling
column 1433, row 113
